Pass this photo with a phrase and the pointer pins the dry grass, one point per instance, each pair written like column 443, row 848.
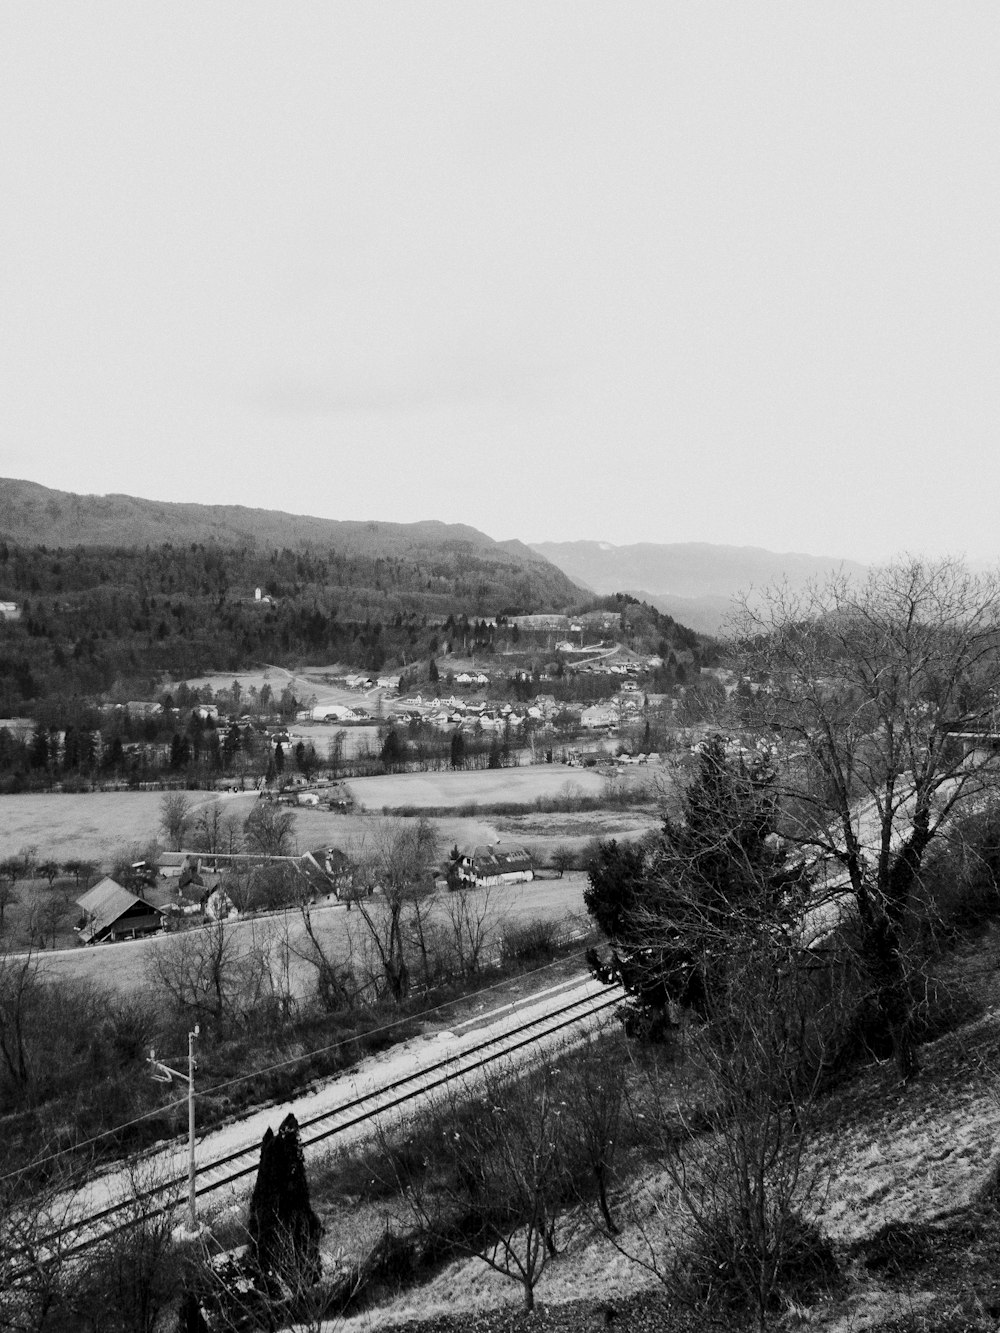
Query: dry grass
column 488, row 786
column 923, row 1158
column 90, row 825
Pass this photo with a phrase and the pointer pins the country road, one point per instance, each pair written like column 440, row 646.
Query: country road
column 129, row 964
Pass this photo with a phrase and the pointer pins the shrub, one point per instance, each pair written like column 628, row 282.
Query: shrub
column 529, row 942
column 729, row 1268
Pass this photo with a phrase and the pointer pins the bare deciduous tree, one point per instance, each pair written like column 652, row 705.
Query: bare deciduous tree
column 474, row 916
column 728, row 1231
column 175, row 818
column 270, row 830
column 392, row 863
column 497, row 1183
column 875, row 693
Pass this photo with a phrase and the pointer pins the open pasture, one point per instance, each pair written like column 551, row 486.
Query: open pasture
column 92, row 825
column 485, row 786
column 315, row 827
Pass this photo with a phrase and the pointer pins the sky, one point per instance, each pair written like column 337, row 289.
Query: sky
column 666, row 271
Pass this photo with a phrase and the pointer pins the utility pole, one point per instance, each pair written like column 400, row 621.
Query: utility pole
column 164, row 1074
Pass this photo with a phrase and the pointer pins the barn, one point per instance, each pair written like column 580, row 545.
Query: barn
column 111, row 912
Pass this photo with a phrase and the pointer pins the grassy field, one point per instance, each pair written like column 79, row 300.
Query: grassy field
column 98, row 826
column 90, row 825
column 486, row 786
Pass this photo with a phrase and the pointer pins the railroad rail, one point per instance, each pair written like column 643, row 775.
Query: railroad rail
column 89, row 1229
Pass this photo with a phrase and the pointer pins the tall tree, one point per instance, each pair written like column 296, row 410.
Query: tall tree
column 880, row 697
column 675, row 909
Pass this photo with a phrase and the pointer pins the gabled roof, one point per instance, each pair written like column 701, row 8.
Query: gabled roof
column 487, row 861
column 105, row 903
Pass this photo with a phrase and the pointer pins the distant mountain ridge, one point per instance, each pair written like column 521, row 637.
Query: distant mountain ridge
column 694, row 582
column 33, row 515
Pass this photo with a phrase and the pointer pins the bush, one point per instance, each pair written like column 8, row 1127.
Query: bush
column 529, row 942
column 726, row 1268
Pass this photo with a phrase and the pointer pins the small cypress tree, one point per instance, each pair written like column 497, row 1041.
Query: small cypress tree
column 284, row 1231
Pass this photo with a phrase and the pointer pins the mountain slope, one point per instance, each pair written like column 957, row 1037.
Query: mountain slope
column 692, row 581
column 447, row 553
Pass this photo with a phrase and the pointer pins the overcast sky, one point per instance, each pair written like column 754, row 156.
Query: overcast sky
column 622, row 271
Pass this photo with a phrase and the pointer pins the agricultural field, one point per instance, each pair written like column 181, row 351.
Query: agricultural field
column 487, row 786
column 97, row 825
column 92, row 825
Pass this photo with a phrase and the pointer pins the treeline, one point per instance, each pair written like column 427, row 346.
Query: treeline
column 91, row 618
column 99, row 620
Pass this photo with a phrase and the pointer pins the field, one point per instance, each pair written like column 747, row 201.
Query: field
column 98, row 825
column 90, row 825
column 488, row 786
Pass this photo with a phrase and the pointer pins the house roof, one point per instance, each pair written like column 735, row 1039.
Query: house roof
column 105, row 903
column 172, row 859
column 499, row 860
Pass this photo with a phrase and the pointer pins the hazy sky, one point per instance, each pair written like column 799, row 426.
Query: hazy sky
column 623, row 271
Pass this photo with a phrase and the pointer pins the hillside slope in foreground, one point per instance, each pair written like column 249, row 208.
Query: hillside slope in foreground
column 909, row 1198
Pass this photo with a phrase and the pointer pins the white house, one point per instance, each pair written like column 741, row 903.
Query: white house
column 332, row 713
column 490, row 866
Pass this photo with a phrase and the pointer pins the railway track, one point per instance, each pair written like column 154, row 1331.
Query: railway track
column 86, row 1229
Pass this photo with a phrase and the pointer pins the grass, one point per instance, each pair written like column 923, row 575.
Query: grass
column 448, row 790
column 911, row 1209
column 90, row 825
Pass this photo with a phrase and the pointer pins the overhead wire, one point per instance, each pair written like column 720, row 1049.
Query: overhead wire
column 273, row 1068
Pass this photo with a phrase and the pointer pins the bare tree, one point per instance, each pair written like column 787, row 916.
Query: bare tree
column 128, row 1283
column 36, row 1280
column 49, row 870
column 175, row 818
column 337, row 986
column 497, row 1184
column 8, row 895
column 270, row 830
column 80, row 869
column 208, row 827
column 474, row 916
column 19, row 987
column 728, row 1231
column 201, row 972
column 880, row 695
column 594, row 1091
column 391, row 863
column 563, row 858
column 51, row 915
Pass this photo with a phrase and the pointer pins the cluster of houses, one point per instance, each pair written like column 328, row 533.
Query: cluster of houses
column 192, row 885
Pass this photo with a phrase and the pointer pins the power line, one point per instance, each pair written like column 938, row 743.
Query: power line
column 269, row 1069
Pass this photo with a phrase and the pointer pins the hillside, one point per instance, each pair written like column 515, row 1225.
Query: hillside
column 693, row 582
column 33, row 515
column 902, row 1179
column 115, row 591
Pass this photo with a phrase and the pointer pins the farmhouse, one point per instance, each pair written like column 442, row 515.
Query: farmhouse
column 326, row 869
column 329, row 713
column 488, row 866
column 171, row 865
column 111, row 912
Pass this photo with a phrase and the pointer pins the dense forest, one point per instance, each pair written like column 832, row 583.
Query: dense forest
column 118, row 620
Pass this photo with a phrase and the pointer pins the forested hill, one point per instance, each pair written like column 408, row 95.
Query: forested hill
column 32, row 515
column 116, row 588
